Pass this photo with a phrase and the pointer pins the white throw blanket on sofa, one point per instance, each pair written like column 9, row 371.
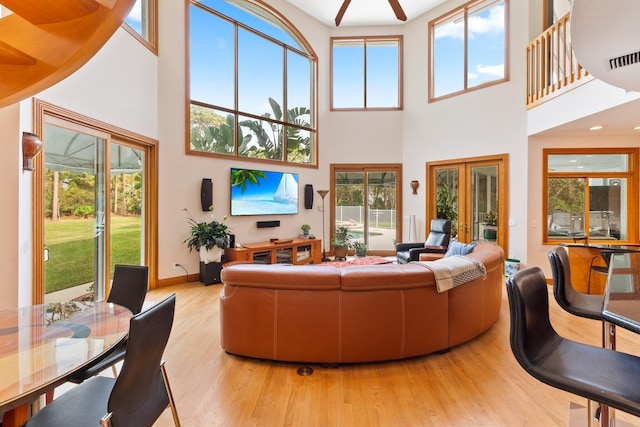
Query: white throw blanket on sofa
column 455, row 270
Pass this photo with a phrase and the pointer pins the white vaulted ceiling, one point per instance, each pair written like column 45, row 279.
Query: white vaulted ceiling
column 364, row 12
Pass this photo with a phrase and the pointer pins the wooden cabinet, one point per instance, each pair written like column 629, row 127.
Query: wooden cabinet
column 284, row 251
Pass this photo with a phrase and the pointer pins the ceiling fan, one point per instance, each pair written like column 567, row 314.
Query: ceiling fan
column 395, row 5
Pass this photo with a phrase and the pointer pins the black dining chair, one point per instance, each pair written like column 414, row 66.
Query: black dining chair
column 139, row 395
column 571, row 300
column 577, row 303
column 598, row 374
column 129, row 288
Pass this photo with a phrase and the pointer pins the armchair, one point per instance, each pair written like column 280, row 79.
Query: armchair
column 437, row 242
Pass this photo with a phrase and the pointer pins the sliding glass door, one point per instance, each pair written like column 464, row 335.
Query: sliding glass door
column 94, row 209
column 366, row 201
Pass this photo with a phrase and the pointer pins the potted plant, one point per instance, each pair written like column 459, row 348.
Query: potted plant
column 341, row 242
column 360, row 248
column 491, row 218
column 208, row 238
column 490, row 230
column 305, row 229
column 446, row 206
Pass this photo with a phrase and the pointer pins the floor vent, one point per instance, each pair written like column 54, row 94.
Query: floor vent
column 624, row 60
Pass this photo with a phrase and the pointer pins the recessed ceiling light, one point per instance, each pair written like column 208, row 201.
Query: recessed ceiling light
column 636, row 128
column 595, row 127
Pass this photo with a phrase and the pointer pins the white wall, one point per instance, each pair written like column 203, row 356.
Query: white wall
column 118, row 86
column 483, row 122
column 10, row 165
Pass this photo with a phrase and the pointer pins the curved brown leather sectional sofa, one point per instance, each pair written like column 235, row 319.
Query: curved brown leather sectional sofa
column 318, row 313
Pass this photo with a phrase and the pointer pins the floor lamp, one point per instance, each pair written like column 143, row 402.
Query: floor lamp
column 322, row 194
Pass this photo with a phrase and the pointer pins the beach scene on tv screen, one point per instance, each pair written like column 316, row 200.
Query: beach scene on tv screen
column 257, row 192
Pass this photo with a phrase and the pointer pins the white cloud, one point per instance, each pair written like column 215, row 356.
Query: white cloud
column 453, row 29
column 136, row 13
column 491, row 70
column 494, row 23
column 486, row 72
column 478, row 25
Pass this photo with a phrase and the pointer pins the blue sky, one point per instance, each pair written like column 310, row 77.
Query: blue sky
column 134, row 20
column 260, row 71
column 485, row 49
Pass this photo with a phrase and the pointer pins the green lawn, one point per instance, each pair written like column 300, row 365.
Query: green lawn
column 71, row 249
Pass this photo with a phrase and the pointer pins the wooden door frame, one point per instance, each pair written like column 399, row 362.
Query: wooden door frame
column 41, row 112
column 364, row 167
column 501, row 161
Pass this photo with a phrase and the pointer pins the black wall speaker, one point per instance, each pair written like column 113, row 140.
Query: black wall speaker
column 206, row 193
column 308, row 196
column 232, row 240
column 267, row 224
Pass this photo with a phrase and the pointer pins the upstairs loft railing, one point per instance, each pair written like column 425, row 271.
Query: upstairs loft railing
column 552, row 68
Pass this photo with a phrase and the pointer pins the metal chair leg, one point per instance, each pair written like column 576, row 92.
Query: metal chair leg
column 172, row 403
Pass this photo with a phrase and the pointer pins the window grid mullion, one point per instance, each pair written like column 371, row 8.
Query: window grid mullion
column 364, row 71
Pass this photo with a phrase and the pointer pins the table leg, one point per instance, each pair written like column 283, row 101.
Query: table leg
column 16, row 416
column 607, row 415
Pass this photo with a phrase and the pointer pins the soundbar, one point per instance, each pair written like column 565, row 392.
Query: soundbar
column 267, row 224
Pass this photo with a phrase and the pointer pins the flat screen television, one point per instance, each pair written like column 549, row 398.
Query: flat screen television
column 260, row 192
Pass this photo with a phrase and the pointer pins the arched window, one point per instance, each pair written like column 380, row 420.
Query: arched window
column 252, row 84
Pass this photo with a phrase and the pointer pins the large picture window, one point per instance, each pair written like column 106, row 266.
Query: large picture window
column 366, row 73
column 591, row 194
column 252, row 85
column 469, row 48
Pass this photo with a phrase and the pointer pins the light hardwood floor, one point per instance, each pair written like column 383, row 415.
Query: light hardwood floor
column 478, row 383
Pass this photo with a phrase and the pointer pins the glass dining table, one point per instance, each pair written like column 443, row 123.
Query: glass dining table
column 622, row 292
column 621, row 301
column 41, row 346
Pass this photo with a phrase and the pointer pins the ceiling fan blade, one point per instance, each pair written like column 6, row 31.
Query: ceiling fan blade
column 341, row 12
column 397, row 9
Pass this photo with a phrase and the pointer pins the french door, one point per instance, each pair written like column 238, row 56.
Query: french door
column 474, row 190
column 91, row 208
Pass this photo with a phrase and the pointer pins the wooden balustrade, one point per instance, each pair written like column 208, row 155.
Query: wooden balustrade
column 552, row 68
